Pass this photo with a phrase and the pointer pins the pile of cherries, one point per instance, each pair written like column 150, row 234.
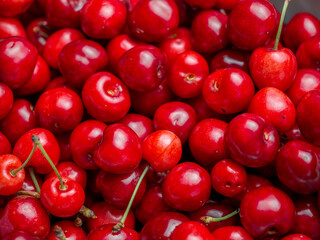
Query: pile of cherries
column 158, row 119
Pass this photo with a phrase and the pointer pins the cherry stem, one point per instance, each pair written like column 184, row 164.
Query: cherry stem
column 34, row 179
column 29, row 193
column 36, row 140
column 208, row 219
column 116, row 228
column 58, row 232
column 14, row 172
column 78, row 222
column 87, row 212
column 283, row 14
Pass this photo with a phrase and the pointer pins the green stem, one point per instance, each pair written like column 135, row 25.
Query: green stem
column 43, row 151
column 208, row 219
column 283, row 14
column 29, row 193
column 58, row 232
column 34, row 179
column 120, row 224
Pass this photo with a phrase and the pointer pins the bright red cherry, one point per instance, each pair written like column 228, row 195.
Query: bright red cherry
column 5, row 146
column 308, row 54
column 18, row 235
column 267, row 212
column 190, row 230
column 308, row 116
column 14, row 7
column 275, row 107
column 70, row 230
column 6, row 100
column 228, row 90
column 10, row 27
column 231, row 233
column 187, row 187
column 252, row 141
column 106, row 97
column 152, row 20
column 252, row 24
column 296, row 237
column 105, row 232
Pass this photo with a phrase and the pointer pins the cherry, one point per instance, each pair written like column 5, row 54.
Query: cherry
column 142, row 68
column 59, row 82
column 308, row 116
column 203, row 4
column 10, row 27
column 70, row 230
column 152, row 20
column 162, row 226
column 14, row 7
column 228, row 90
column 104, row 232
column 209, row 31
column 231, row 233
column 296, row 237
column 31, row 184
column 191, row 229
column 308, row 54
column 187, row 187
column 227, row 4
column 105, row 97
column 298, row 167
column 186, row 74
column 19, row 120
column 228, row 178
column 5, row 146
column 65, row 152
column 251, row 140
column 120, row 150
column 252, row 24
column 25, row 213
column 275, row 107
column 6, row 100
column 267, row 212
column 18, row 235
column 16, row 53
column 293, row 134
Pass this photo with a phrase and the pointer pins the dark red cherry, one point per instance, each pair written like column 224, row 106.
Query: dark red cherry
column 202, row 4
column 228, row 90
column 28, row 184
column 187, row 187
column 6, row 100
column 105, row 232
column 252, row 24
column 252, row 141
column 308, row 116
column 267, row 212
column 152, row 20
column 231, row 233
column 63, row 140
column 106, row 97
column 206, row 141
column 308, row 54
column 16, row 53
column 70, row 230
column 227, row 4
column 14, row 7
column 293, row 134
column 191, row 229
column 18, row 235
column 296, row 237
column 5, row 146
column 10, row 27
column 209, row 31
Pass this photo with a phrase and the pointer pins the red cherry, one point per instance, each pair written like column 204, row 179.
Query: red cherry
column 308, row 54
column 65, row 153
column 10, row 27
column 105, row 97
column 203, row 4
column 231, row 233
column 206, row 141
column 227, row 5
column 152, row 20
column 228, row 90
column 252, row 24
column 14, row 7
column 293, row 134
column 6, row 100
column 103, row 19
column 191, row 229
column 187, row 187
column 70, row 230
column 5, row 146
column 105, row 232
column 18, row 235
column 252, row 141
column 267, row 212
column 28, row 184
column 296, row 237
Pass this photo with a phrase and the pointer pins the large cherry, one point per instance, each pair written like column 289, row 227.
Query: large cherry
column 190, row 230
column 231, row 233
column 105, row 232
column 308, row 54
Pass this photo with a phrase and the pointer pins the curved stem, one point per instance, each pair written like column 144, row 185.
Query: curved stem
column 283, row 14
column 120, row 224
column 29, row 193
column 87, row 212
column 208, row 219
column 58, row 232
column 34, row 179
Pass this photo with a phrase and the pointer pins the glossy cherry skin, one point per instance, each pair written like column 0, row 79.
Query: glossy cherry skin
column 84, row 139
column 252, row 141
column 191, row 229
column 203, row 4
column 104, row 232
column 209, row 31
column 216, row 210
column 80, row 59
column 187, row 187
column 120, row 150
column 6, row 100
column 70, row 230
column 25, row 213
column 5, row 146
column 28, row 184
column 228, row 178
column 231, row 233
column 106, row 97
column 10, row 184
column 227, row 4
column 162, row 226
column 152, row 20
column 308, row 54
column 230, row 58
column 59, row 202
column 59, row 110
column 300, row 28
column 308, row 116
column 228, row 90
column 186, row 74
column 267, row 211
column 298, row 167
column 14, row 8
column 252, row 24
column 107, row 214
column 273, row 68
column 296, row 237
column 16, row 53
column 275, row 107
column 142, row 68
column 56, row 42
column 18, row 235
column 10, row 27
column 24, row 146
column 117, row 189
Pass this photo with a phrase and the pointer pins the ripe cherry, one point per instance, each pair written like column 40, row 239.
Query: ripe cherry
column 6, row 100
column 191, row 229
column 296, row 237
column 105, row 232
column 14, row 8
column 70, row 230
column 5, row 146
column 10, row 27
column 308, row 54
column 231, row 233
